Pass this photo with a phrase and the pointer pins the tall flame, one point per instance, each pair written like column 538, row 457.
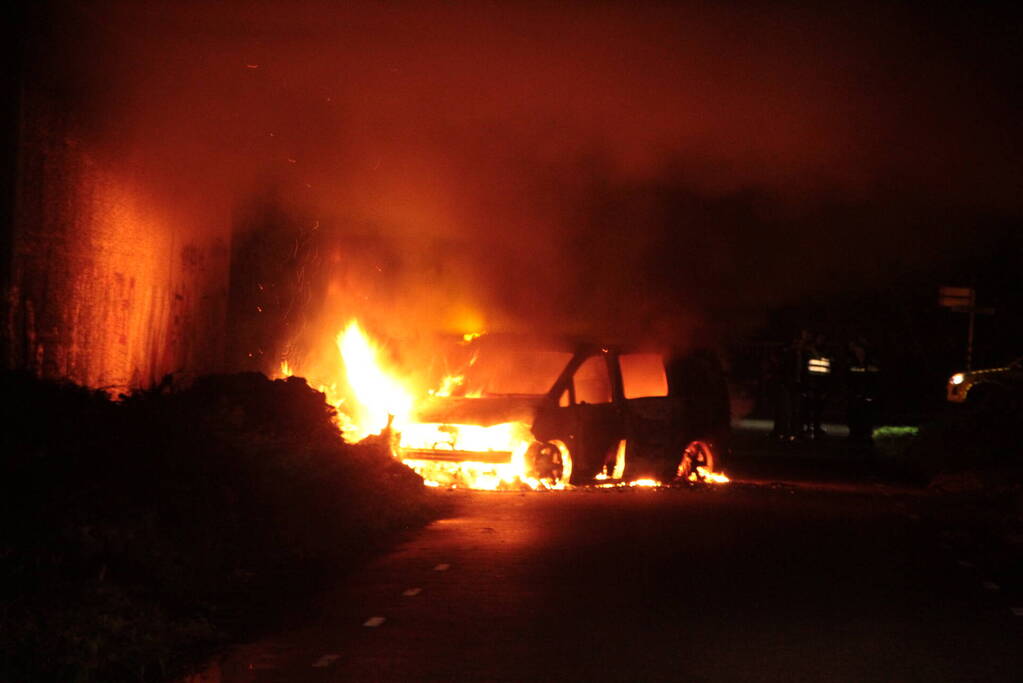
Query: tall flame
column 379, row 396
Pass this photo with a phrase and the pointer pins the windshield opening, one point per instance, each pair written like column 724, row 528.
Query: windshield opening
column 504, row 372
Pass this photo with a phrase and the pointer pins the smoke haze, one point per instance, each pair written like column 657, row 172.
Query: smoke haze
column 590, row 167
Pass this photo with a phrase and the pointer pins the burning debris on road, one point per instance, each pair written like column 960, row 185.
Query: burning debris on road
column 511, row 413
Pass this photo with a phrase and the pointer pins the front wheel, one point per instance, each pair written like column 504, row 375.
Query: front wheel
column 697, row 460
column 550, row 463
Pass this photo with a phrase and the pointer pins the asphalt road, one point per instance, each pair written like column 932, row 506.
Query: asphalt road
column 754, row 581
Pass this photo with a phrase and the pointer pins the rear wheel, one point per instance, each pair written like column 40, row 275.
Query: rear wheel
column 698, row 457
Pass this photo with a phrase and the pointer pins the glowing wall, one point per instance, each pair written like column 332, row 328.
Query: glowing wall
column 111, row 285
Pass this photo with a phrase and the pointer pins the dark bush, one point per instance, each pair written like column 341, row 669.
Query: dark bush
column 139, row 529
column 963, row 439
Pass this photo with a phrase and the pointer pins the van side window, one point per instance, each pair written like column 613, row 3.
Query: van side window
column 592, row 384
column 565, row 399
column 643, row 375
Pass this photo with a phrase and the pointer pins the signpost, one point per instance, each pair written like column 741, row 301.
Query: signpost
column 963, row 300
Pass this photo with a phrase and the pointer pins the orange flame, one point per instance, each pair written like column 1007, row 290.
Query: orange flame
column 379, row 396
column 708, row 477
column 489, row 457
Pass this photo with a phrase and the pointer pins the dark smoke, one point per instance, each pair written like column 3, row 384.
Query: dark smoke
column 664, row 169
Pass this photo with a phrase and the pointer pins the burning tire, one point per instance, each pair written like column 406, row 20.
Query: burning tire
column 550, row 463
column 697, row 458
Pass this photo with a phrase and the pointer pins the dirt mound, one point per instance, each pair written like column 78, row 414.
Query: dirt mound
column 141, row 529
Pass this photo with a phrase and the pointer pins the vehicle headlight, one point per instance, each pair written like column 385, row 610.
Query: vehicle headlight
column 957, row 378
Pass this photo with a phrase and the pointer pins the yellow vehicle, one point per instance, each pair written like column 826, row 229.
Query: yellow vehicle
column 988, row 387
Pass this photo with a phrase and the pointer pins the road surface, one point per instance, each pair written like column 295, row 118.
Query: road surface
column 751, row 581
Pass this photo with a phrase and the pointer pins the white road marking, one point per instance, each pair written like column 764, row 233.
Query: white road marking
column 442, row 567
column 325, row 661
column 990, row 585
column 1018, row 611
column 412, row 591
column 373, row 622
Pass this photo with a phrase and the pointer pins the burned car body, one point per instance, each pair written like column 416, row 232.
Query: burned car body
column 580, row 412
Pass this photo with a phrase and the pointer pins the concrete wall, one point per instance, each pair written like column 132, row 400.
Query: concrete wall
column 108, row 284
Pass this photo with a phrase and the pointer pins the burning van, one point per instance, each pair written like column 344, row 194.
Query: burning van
column 548, row 414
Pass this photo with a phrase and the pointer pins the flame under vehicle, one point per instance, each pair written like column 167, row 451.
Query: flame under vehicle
column 572, row 413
